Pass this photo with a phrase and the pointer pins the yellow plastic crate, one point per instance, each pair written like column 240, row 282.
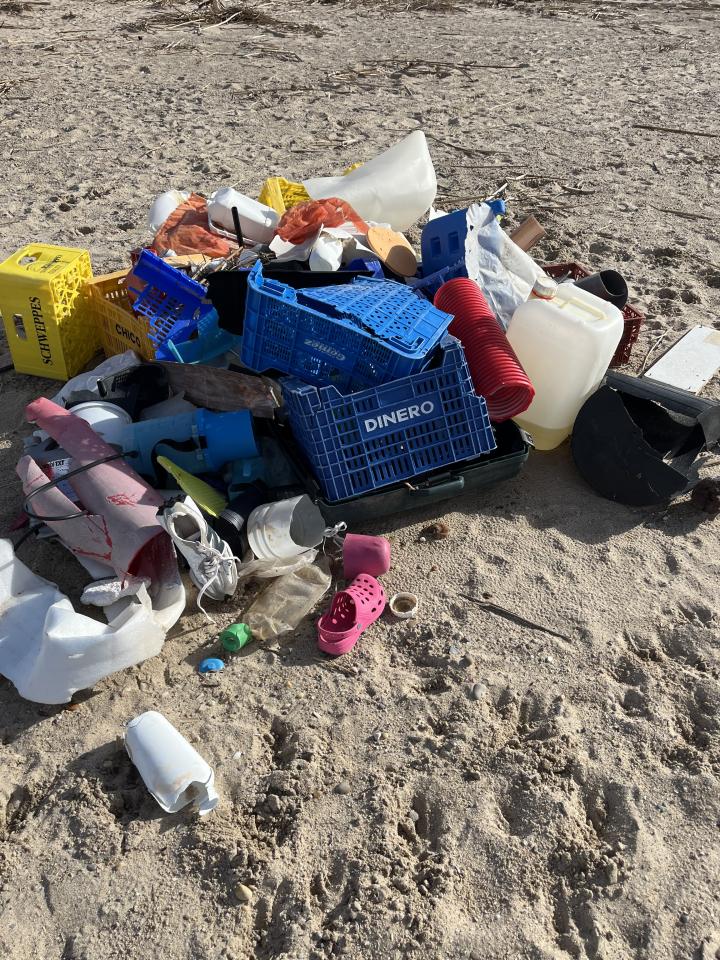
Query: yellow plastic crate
column 118, row 328
column 44, row 310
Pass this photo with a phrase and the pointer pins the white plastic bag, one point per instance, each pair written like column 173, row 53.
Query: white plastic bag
column 49, row 651
column 397, row 187
column 88, row 380
column 504, row 272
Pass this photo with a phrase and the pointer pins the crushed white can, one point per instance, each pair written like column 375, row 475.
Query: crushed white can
column 172, row 770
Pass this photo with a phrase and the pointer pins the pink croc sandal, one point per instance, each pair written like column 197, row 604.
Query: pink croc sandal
column 351, row 612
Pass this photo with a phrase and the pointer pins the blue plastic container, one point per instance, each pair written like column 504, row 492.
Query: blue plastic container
column 359, row 264
column 443, row 249
column 171, row 301
column 199, row 442
column 443, row 241
column 398, row 431
column 350, row 335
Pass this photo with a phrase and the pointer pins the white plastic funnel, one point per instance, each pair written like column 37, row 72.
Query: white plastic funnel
column 396, row 187
column 172, row 770
column 279, row 531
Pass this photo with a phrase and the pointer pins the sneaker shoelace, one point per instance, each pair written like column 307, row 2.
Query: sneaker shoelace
column 211, row 565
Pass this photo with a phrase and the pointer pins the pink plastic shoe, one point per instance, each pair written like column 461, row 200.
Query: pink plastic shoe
column 351, row 612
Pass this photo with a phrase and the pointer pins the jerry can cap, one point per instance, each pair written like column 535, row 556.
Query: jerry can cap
column 544, row 288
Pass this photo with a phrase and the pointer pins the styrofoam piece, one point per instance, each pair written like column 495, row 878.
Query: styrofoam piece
column 257, row 221
column 104, row 592
column 691, row 362
column 49, row 651
column 172, row 770
column 397, row 187
column 164, row 205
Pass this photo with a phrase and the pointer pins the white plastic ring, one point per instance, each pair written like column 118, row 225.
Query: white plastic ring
column 404, row 605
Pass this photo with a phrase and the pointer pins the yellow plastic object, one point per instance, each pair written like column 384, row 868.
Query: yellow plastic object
column 282, row 194
column 205, row 496
column 109, row 310
column 353, row 166
column 44, row 310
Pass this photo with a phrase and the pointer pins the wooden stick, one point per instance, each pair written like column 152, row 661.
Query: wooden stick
column 690, row 133
column 652, row 350
column 515, row 617
column 686, row 214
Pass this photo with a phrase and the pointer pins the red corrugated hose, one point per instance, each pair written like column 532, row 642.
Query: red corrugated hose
column 495, row 369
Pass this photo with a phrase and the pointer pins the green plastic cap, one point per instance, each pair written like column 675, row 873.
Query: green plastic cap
column 236, row 636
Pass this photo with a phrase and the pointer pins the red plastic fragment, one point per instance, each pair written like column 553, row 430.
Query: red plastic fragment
column 300, row 222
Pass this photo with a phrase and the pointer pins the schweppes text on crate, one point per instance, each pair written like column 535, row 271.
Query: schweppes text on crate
column 44, row 310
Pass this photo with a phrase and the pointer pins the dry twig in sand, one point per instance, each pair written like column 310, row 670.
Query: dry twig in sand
column 514, row 617
column 689, row 133
column 216, row 13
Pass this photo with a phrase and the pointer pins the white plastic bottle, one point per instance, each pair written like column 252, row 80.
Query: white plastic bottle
column 565, row 339
column 257, row 221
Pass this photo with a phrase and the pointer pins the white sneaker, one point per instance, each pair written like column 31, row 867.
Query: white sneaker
column 211, row 561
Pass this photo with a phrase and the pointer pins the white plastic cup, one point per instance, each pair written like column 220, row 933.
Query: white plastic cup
column 107, row 419
column 172, row 770
column 285, row 529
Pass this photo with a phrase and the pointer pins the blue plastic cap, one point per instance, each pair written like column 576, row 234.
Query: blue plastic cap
column 497, row 206
column 211, row 665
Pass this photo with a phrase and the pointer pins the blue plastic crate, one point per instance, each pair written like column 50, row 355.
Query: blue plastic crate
column 443, row 240
column 397, row 431
column 171, row 301
column 351, row 335
column 429, row 285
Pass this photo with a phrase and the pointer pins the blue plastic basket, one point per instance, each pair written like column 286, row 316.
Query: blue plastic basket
column 171, row 302
column 429, row 285
column 398, row 431
column 352, row 335
column 443, row 240
column 443, row 249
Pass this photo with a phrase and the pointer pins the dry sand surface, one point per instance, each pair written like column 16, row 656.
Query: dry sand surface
column 374, row 806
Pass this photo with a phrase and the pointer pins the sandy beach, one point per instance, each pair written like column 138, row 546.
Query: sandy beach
column 461, row 786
